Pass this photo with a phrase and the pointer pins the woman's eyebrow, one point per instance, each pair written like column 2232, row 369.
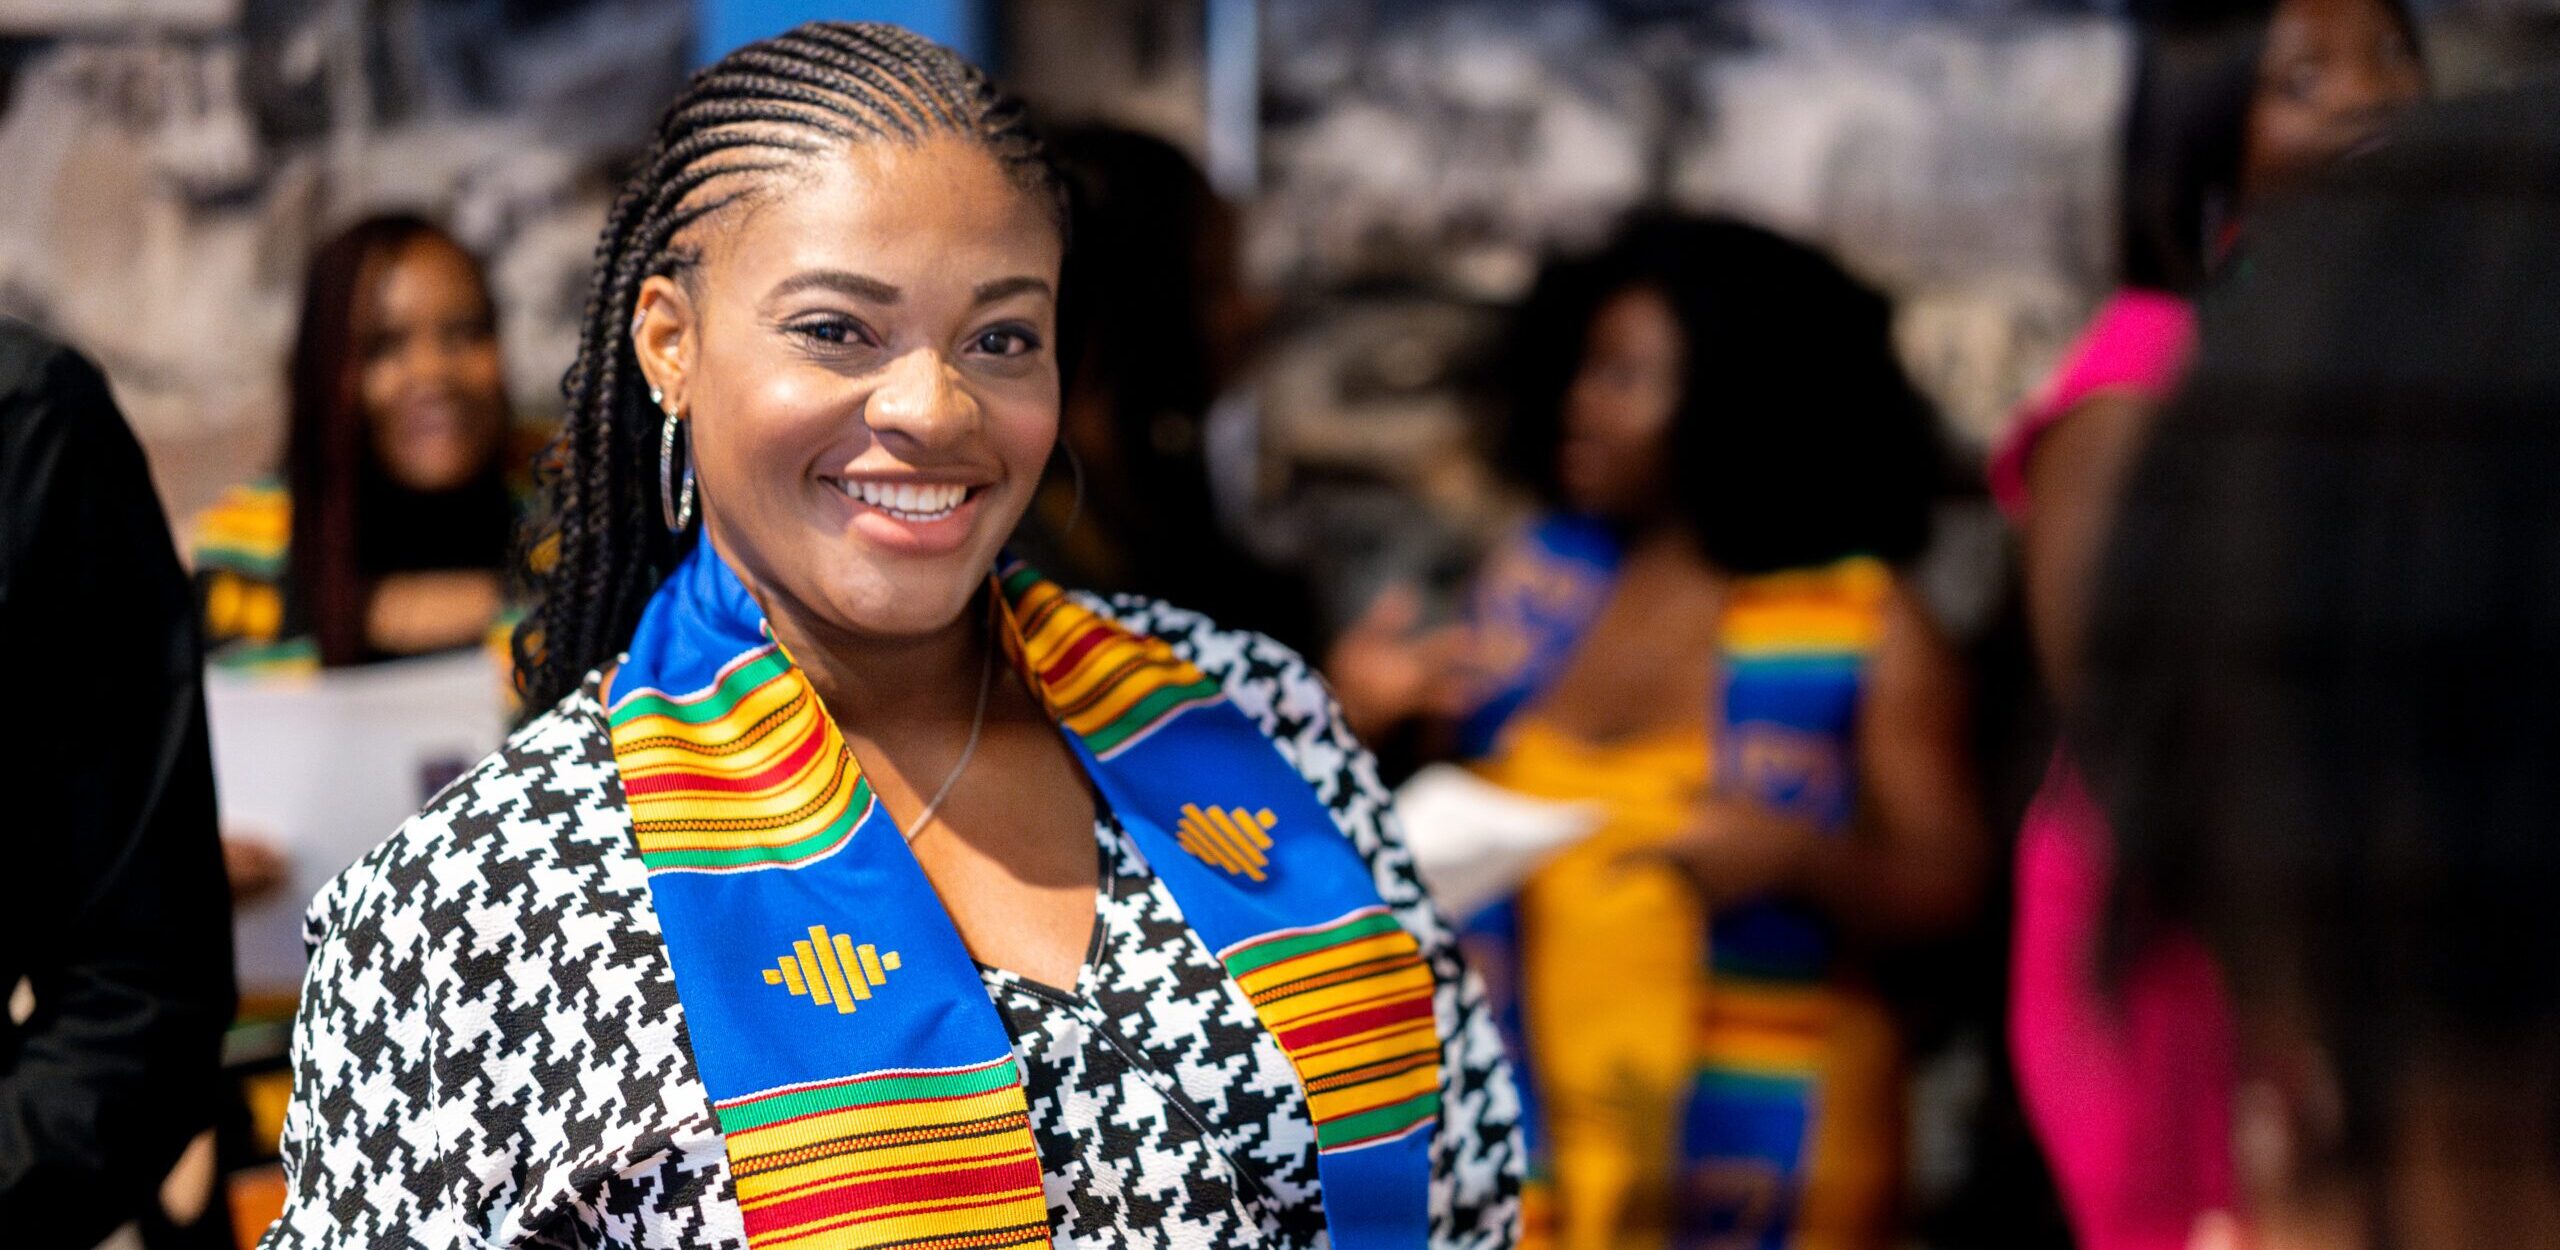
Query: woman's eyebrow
column 990, row 292
column 842, row 281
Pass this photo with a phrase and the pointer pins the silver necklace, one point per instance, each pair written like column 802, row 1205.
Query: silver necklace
column 977, row 723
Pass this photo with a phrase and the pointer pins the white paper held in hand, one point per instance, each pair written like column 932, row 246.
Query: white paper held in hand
column 1474, row 841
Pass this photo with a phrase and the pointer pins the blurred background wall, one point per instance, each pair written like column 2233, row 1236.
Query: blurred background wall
column 1402, row 163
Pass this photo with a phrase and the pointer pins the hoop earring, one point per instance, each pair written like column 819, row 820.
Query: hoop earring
column 675, row 501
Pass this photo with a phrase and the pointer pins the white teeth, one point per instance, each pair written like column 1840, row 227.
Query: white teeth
column 907, row 501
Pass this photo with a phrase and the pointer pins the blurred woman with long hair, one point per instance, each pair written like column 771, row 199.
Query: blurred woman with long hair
column 2125, row 1070
column 1707, row 639
column 388, row 532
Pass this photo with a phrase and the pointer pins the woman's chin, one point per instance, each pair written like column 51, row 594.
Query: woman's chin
column 926, row 613
column 901, row 599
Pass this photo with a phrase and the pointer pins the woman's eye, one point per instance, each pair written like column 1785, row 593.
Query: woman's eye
column 834, row 332
column 2301, row 81
column 1004, row 341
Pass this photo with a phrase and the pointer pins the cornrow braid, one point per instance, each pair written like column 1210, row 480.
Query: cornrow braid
column 600, row 546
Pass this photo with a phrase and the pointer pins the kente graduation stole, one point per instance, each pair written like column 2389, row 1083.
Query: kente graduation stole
column 865, row 1088
column 1793, row 649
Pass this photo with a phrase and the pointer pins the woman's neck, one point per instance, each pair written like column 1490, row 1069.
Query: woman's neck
column 886, row 688
column 1668, row 542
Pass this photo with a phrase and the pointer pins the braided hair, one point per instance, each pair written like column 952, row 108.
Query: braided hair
column 770, row 107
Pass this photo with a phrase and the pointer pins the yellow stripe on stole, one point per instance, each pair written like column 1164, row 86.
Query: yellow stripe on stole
column 1026, row 1206
column 695, row 824
column 693, row 818
column 1351, row 1100
column 739, row 742
column 1048, row 626
column 862, row 1121
column 1783, row 1030
column 1302, row 967
column 876, row 1165
column 1133, row 687
column 1155, row 665
column 888, row 1160
column 1802, row 627
column 1835, row 608
column 1375, row 990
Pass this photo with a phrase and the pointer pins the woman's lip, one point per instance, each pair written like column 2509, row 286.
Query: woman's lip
column 902, row 533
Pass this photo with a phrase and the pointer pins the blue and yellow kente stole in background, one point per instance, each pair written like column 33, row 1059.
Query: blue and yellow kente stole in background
column 1767, row 1042
column 864, row 1084
column 1795, row 648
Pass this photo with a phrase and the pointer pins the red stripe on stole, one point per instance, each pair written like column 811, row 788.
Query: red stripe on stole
column 1073, row 654
column 830, row 1182
column 864, row 1196
column 1356, row 1023
column 1031, row 1235
column 780, row 771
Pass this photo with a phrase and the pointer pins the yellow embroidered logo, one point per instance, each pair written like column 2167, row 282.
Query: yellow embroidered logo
column 829, row 968
column 1231, row 839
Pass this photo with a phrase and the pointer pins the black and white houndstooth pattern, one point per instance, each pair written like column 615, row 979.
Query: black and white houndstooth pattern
column 491, row 1052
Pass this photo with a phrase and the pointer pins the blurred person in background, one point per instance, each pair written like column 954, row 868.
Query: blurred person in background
column 1706, row 638
column 388, row 533
column 1158, row 332
column 731, row 944
column 2127, row 1085
column 2317, row 699
column 115, row 950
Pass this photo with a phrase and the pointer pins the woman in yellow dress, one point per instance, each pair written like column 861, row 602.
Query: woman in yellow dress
column 1707, row 638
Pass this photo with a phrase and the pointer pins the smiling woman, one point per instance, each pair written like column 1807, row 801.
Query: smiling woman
column 387, row 532
column 860, row 887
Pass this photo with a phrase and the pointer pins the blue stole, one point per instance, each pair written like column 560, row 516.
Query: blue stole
column 1792, row 649
column 867, row 1093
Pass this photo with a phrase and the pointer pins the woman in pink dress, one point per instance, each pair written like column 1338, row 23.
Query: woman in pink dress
column 2124, row 1055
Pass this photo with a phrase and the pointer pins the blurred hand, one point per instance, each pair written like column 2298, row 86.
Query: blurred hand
column 1386, row 669
column 1735, row 849
column 257, row 867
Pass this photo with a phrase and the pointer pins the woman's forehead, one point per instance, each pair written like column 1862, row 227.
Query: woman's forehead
column 940, row 211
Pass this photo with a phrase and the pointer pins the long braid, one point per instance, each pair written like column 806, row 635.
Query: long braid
column 600, row 547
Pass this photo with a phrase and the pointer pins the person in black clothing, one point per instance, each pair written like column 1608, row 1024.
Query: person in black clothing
column 118, row 923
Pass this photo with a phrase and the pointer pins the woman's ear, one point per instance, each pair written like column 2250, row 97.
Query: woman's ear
column 663, row 325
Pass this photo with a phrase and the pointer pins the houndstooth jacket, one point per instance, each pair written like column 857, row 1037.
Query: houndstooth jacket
column 491, row 1051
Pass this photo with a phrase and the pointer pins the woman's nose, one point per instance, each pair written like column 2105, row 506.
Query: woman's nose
column 919, row 399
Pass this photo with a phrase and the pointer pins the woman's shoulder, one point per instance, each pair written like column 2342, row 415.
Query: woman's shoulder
column 1265, row 678
column 1288, row 700
column 536, row 832
column 2137, row 344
